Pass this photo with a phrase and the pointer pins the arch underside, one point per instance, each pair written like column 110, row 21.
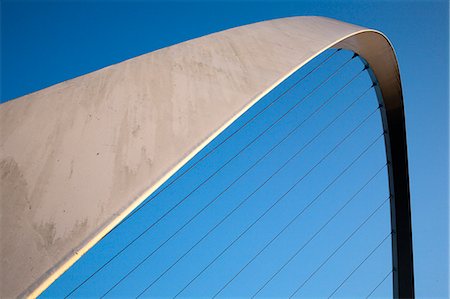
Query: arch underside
column 76, row 158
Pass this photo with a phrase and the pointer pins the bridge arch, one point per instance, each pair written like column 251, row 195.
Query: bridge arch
column 144, row 118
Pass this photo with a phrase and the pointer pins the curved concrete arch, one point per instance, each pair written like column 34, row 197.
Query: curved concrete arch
column 76, row 158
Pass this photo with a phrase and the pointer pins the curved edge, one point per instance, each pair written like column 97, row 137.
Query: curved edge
column 393, row 123
column 384, row 71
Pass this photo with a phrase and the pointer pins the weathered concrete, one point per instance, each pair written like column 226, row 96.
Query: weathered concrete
column 77, row 157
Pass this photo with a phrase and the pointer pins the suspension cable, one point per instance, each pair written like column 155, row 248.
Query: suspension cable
column 213, row 174
column 295, row 219
column 197, row 162
column 360, row 264
column 380, row 283
column 298, row 181
column 296, row 83
column 301, row 248
column 253, row 166
column 339, row 247
column 298, row 215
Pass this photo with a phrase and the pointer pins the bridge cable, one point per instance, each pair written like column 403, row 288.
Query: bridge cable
column 334, row 252
column 355, row 195
column 379, row 284
column 298, row 181
column 256, row 163
column 257, row 137
column 232, row 134
column 250, row 143
column 298, row 215
column 153, row 196
column 359, row 265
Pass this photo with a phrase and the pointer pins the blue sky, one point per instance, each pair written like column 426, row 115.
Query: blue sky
column 44, row 43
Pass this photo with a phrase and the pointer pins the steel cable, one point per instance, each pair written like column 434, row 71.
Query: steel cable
column 339, row 247
column 192, row 166
column 298, row 181
column 360, row 264
column 265, row 213
column 380, row 283
column 248, row 170
column 295, row 219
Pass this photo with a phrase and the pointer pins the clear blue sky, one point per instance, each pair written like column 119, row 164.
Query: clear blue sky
column 44, row 43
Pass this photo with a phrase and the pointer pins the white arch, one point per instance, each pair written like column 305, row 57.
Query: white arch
column 79, row 156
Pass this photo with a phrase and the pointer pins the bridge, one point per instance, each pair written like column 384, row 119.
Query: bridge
column 82, row 158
